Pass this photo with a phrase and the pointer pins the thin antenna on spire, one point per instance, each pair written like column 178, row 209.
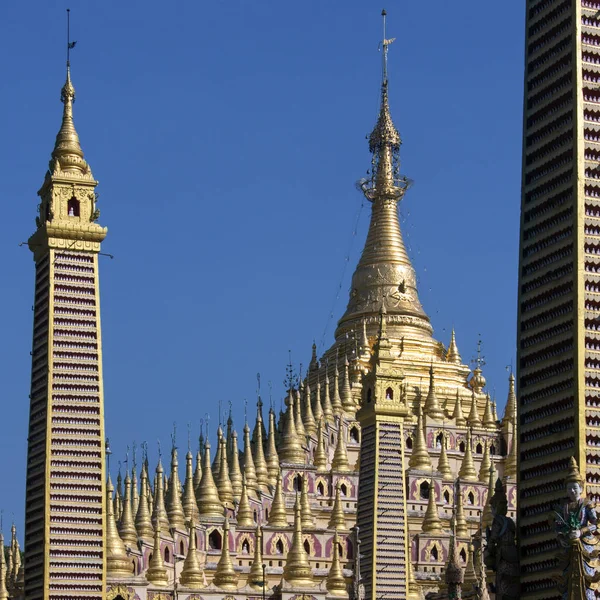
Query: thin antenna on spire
column 70, row 44
column 174, row 437
column 270, row 383
column 134, row 456
column 207, row 416
column 159, row 450
column 258, row 384
column 189, row 436
column 245, row 410
column 127, row 459
column 385, row 43
column 108, row 452
column 220, row 412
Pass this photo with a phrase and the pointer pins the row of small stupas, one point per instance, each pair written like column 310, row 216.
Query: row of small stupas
column 288, row 500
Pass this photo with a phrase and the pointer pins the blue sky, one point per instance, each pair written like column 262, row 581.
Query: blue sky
column 227, row 138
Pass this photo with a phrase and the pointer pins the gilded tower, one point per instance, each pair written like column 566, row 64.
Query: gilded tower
column 559, row 272
column 65, row 500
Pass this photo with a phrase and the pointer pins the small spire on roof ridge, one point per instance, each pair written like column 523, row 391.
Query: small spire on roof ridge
column 488, row 416
column 117, row 562
column 174, row 506
column 272, row 457
column 245, row 516
column 126, row 527
column 431, row 521
column 327, row 407
column 420, row 459
column 335, row 583
column 159, row 516
column 278, row 514
column 432, row 408
column 143, row 524
column 320, row 456
column 209, row 503
column 310, row 425
column 337, row 520
column 467, row 468
column 452, row 355
column 297, row 570
column 443, row 466
column 458, row 413
column 249, row 468
column 339, row 461
column 473, row 418
column 225, row 576
column 223, row 482
column 191, row 573
column 157, row 572
column 308, row 521
column 256, row 576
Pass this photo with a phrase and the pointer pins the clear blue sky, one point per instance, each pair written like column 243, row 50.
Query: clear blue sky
column 227, row 137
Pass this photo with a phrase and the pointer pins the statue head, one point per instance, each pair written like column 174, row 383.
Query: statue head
column 574, row 481
column 499, row 501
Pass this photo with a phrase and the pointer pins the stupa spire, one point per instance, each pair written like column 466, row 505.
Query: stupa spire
column 337, row 520
column 225, row 576
column 209, row 503
column 336, row 584
column 126, row 526
column 3, row 590
column 174, row 506
column 320, row 457
column 458, row 416
column 143, row 524
column 249, row 469
column 117, row 562
column 159, row 516
column 339, row 461
column 277, row 514
column 432, row 408
column 385, row 275
column 431, row 521
column 223, row 481
column 244, row 514
column 420, row 459
column 308, row 521
column 297, row 570
column 467, row 468
column 191, row 574
column 310, row 425
column 157, row 572
column 256, row 575
column 260, row 463
column 453, row 355
column 272, row 456
column 235, row 473
column 190, row 508
column 443, row 466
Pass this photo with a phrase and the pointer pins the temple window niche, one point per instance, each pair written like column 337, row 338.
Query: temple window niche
column 73, row 207
column 389, row 394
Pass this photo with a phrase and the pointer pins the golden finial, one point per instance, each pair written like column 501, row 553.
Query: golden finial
column 336, row 584
column 467, row 468
column 67, row 155
column 235, row 473
column 278, row 514
column 473, row 418
column 191, row 573
column 487, row 516
column 190, row 507
column 511, row 401
column 157, row 572
column 223, row 482
column 458, row 413
column 209, row 503
column 272, row 456
column 159, row 516
column 300, row 431
column 488, row 417
column 127, row 530
column 291, row 451
column 310, row 425
column 260, row 463
column 143, row 524
column 245, row 516
column 3, row 571
column 297, row 570
column 117, row 563
column 225, row 576
column 510, row 465
column 431, row 521
column 249, row 469
column 327, row 407
column 337, row 399
column 337, row 520
column 308, row 521
column 318, row 406
column 256, row 576
column 340, row 455
column 420, row 459
column 494, row 413
column 462, row 528
column 216, row 466
column 453, row 356
column 486, row 463
column 432, row 408
column 346, row 392
column 320, row 457
column 443, row 466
